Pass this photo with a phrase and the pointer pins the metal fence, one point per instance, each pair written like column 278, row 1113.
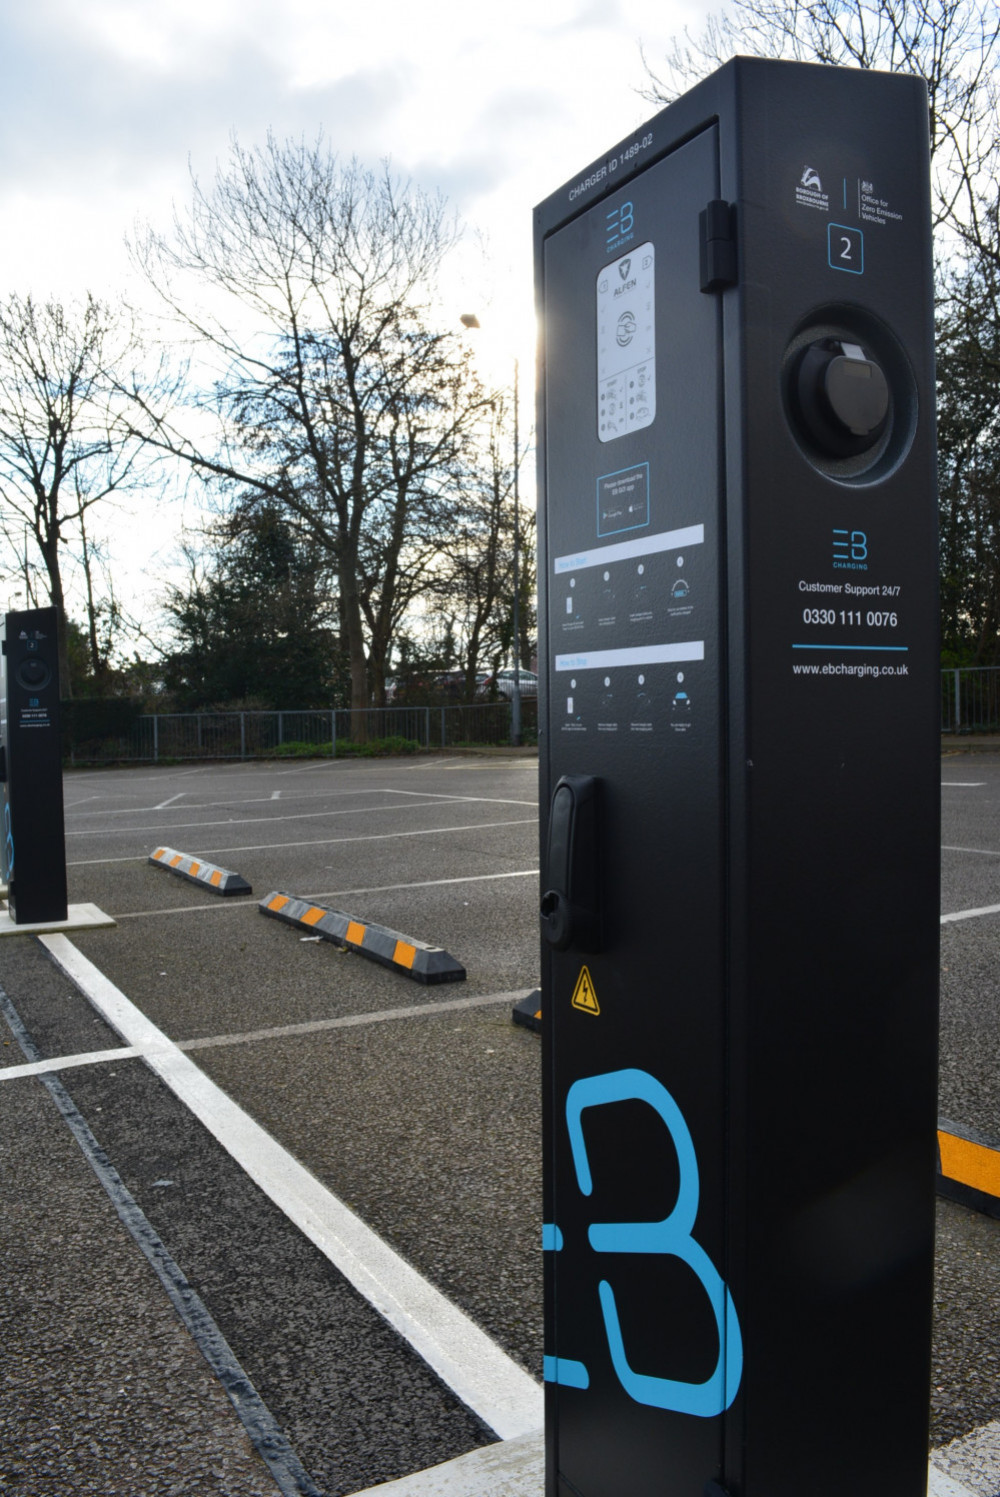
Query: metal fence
column 970, row 703
column 170, row 737
column 970, row 700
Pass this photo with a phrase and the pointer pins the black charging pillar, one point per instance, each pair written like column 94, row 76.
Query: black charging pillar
column 33, row 846
column 740, row 783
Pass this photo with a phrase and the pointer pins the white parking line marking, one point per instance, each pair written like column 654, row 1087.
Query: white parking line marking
column 981, row 852
column 325, row 764
column 486, row 800
column 987, row 909
column 67, row 1062
column 964, row 784
column 165, row 803
column 276, row 1032
column 439, row 831
column 241, row 904
column 130, row 777
column 480, row 1373
column 183, row 826
column 352, row 1021
column 232, row 801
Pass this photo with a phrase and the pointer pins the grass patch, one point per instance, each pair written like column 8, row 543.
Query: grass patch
column 347, row 748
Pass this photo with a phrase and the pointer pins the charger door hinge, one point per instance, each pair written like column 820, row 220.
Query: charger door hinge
column 717, row 232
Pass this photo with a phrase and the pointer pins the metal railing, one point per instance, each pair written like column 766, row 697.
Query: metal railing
column 970, row 699
column 172, row 736
column 970, row 703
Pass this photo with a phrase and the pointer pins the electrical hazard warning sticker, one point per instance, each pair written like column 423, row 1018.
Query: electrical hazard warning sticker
column 584, row 996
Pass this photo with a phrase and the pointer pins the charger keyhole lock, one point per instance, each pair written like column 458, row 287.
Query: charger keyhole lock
column 842, row 397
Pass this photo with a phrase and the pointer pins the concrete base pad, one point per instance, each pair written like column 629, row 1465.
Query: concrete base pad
column 78, row 917
column 511, row 1468
column 515, row 1468
column 971, row 1464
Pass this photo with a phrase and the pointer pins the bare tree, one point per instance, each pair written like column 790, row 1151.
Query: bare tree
column 105, row 617
column 65, row 443
column 473, row 585
column 305, row 286
column 954, row 45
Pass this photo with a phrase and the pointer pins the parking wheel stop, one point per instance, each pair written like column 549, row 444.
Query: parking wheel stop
column 197, row 871
column 426, row 964
column 968, row 1168
column 527, row 1011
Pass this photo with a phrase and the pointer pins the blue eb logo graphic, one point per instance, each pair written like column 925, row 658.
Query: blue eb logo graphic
column 619, row 224
column 850, row 547
column 8, row 842
column 671, row 1236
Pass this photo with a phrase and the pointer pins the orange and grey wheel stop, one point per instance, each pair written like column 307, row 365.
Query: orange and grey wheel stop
column 413, row 958
column 968, row 1168
column 199, row 871
column 527, row 1011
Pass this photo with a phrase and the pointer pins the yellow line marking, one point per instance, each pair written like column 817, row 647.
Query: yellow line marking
column 404, row 954
column 355, row 933
column 312, row 915
column 970, row 1164
column 278, row 902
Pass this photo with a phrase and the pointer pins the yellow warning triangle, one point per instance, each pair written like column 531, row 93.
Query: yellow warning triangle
column 584, row 996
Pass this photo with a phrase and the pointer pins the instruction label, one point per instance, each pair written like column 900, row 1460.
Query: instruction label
column 626, row 344
column 623, row 500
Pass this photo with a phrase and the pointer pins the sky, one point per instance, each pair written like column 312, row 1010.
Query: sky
column 109, row 105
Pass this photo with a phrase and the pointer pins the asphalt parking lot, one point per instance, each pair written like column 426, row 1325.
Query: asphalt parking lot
column 417, row 1109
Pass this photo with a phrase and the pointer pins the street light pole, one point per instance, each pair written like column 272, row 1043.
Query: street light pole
column 470, row 320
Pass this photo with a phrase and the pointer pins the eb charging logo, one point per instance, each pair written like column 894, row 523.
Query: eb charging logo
column 671, row 1237
column 850, row 550
column 8, row 842
column 620, row 227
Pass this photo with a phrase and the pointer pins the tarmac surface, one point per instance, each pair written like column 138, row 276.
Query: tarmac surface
column 171, row 1321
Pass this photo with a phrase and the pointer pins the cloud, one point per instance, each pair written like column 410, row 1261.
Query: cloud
column 463, row 180
column 599, row 14
column 495, row 142
column 77, row 111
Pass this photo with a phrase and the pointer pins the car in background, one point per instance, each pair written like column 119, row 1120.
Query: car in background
column 421, row 691
column 502, row 684
column 451, row 685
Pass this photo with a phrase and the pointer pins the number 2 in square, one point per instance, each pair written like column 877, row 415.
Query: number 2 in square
column 845, row 249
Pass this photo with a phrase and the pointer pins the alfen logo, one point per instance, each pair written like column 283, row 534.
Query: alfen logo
column 850, row 550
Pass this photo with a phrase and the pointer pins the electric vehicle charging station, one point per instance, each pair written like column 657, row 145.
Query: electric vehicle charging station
column 740, row 766
column 33, row 845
